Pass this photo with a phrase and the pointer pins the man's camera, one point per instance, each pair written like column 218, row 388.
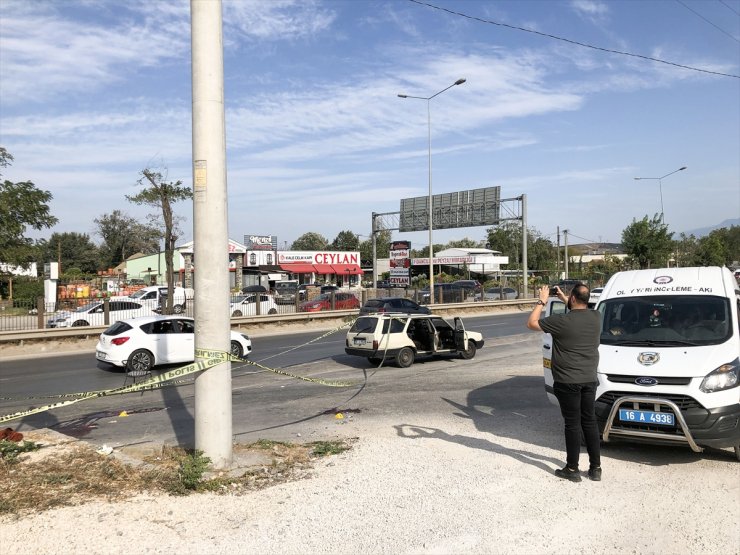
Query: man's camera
column 553, row 291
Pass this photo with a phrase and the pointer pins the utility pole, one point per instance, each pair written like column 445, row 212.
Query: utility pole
column 558, row 263
column 565, row 257
column 525, row 282
column 213, row 412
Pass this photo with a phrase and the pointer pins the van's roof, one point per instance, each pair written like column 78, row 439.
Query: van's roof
column 705, row 280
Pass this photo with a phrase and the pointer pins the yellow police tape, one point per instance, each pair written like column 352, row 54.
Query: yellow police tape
column 211, row 358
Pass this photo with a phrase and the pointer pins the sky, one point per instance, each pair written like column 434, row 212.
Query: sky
column 565, row 101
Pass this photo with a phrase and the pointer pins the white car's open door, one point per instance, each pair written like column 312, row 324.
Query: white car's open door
column 553, row 306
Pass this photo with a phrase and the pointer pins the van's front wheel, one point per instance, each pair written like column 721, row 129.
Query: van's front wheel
column 737, row 452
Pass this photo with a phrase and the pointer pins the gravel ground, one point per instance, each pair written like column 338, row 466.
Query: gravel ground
column 433, row 483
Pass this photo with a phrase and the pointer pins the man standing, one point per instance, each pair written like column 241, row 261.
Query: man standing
column 575, row 357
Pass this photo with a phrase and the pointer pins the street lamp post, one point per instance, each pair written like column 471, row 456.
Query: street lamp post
column 429, row 129
column 660, row 188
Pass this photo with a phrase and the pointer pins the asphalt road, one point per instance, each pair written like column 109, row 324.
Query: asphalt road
column 264, row 404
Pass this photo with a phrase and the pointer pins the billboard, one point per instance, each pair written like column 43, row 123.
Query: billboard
column 476, row 207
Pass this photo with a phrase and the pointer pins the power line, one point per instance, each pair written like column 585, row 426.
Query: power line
column 555, row 37
column 728, row 7
column 697, row 14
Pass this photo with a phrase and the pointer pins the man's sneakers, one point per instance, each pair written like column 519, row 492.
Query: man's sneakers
column 568, row 474
column 594, row 474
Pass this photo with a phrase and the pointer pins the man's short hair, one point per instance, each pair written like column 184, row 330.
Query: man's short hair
column 581, row 293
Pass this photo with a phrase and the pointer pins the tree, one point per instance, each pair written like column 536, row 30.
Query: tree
column 345, row 241
column 123, row 236
column 72, row 250
column 465, row 243
column 310, row 241
column 684, row 250
column 648, row 242
column 507, row 239
column 22, row 205
column 161, row 194
column 382, row 247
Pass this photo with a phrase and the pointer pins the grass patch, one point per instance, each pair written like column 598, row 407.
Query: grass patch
column 78, row 474
column 9, row 450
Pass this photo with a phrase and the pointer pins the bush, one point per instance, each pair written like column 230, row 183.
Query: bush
column 24, row 289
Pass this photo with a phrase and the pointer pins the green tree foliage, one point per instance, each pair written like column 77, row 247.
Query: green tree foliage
column 345, row 241
column 465, row 243
column 648, row 242
column 22, row 205
column 161, row 194
column 721, row 247
column 507, row 239
column 310, row 241
column 73, row 250
column 382, row 247
column 123, row 236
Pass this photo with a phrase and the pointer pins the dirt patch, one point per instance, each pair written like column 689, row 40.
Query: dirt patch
column 63, row 471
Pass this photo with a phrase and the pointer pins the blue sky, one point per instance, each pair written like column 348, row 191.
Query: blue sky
column 92, row 92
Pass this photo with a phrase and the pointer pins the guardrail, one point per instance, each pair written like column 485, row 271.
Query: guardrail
column 256, row 323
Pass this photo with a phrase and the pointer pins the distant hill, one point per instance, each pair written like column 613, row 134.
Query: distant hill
column 702, row 231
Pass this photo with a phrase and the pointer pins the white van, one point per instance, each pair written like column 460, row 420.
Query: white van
column 669, row 359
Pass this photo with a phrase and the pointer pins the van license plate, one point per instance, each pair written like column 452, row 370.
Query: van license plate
column 647, row 417
column 359, row 341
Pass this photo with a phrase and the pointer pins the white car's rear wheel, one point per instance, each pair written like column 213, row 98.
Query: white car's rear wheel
column 140, row 362
column 272, row 311
column 236, row 313
column 80, row 323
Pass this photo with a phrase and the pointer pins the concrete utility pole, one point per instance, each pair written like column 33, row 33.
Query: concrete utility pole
column 525, row 283
column 213, row 414
column 558, row 263
column 565, row 257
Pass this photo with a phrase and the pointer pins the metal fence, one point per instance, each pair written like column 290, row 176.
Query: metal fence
column 25, row 314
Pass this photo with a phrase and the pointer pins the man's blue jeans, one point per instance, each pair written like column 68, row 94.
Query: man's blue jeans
column 577, row 407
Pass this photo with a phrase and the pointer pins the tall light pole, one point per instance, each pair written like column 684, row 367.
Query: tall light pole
column 660, row 188
column 429, row 129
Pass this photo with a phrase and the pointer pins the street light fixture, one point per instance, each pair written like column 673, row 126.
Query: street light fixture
column 660, row 188
column 429, row 128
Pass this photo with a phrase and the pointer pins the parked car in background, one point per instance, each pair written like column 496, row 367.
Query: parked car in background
column 449, row 293
column 342, row 301
column 499, row 293
column 286, row 291
column 594, row 297
column 246, row 305
column 93, row 314
column 155, row 298
column 254, row 289
column 393, row 304
column 329, row 288
column 383, row 284
column 403, row 338
column 139, row 344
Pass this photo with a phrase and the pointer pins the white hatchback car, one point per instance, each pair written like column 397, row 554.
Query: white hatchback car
column 246, row 305
column 402, row 338
column 138, row 344
column 93, row 314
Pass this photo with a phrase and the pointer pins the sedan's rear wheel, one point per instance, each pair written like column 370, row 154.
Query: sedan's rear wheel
column 178, row 309
column 469, row 352
column 272, row 311
column 140, row 362
column 405, row 357
column 236, row 313
column 80, row 323
column 236, row 349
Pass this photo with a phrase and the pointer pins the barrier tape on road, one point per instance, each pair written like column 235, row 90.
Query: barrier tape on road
column 150, row 383
column 212, row 358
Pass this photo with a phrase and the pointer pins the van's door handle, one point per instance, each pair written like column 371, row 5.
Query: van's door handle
column 547, row 347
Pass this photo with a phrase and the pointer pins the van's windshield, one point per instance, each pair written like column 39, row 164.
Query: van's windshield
column 665, row 321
